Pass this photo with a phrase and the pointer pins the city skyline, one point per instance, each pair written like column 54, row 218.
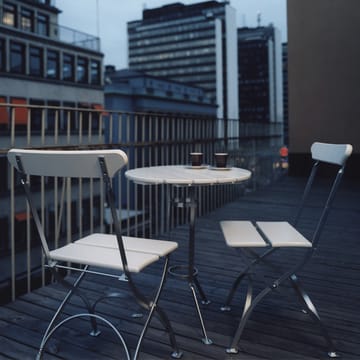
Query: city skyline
column 102, row 17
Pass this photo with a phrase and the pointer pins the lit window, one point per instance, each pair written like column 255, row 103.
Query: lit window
column 17, row 58
column 9, row 14
column 27, row 20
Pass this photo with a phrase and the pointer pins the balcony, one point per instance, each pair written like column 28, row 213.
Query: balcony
column 275, row 331
column 44, row 28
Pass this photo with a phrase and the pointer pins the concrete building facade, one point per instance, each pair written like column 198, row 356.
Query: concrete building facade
column 192, row 44
column 43, row 63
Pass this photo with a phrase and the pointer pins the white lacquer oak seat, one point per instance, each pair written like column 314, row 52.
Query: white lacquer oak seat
column 239, row 233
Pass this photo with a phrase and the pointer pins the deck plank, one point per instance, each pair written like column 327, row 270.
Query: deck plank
column 276, row 330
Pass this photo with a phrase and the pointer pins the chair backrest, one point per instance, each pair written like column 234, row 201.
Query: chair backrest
column 67, row 163
column 331, row 153
column 335, row 154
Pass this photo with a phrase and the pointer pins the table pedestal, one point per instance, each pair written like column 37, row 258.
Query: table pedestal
column 189, row 272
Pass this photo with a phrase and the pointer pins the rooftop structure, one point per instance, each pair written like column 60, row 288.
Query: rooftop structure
column 42, row 63
column 134, row 91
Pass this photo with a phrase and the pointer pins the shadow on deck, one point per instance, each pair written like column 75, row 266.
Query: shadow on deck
column 277, row 329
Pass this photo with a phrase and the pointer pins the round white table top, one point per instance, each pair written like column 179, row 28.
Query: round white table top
column 187, row 175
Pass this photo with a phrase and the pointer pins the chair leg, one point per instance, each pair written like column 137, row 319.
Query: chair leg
column 154, row 307
column 69, row 318
column 251, row 259
column 311, row 310
column 248, row 309
column 74, row 289
column 176, row 354
column 236, row 283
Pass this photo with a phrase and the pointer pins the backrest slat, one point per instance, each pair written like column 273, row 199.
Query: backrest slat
column 331, row 153
column 68, row 163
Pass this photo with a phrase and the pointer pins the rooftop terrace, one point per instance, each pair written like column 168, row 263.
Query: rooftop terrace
column 277, row 329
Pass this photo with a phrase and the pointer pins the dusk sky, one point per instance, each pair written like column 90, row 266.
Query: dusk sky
column 108, row 19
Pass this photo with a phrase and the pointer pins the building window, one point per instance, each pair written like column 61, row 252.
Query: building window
column 68, row 67
column 17, row 58
column 9, row 14
column 36, row 61
column 81, row 70
column 42, row 24
column 2, row 54
column 52, row 64
column 95, row 72
column 27, row 20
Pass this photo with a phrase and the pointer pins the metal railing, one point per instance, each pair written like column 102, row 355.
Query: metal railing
column 148, row 139
column 50, row 30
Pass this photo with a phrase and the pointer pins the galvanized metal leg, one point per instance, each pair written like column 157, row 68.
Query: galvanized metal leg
column 250, row 263
column 205, row 339
column 311, row 310
column 236, row 283
column 55, row 328
column 153, row 307
column 248, row 309
column 73, row 290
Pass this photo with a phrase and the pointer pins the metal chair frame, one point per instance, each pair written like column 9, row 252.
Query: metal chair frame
column 151, row 306
column 253, row 259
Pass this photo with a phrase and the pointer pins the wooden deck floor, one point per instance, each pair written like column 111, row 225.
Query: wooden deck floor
column 277, row 328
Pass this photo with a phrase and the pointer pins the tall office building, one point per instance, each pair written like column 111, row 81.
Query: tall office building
column 260, row 74
column 193, row 44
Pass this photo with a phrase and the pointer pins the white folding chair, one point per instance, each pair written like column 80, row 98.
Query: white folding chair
column 272, row 236
column 115, row 255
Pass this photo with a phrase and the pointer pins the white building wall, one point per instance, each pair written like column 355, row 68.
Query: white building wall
column 219, row 68
column 46, row 91
column 232, row 72
column 278, row 76
column 275, row 78
column 272, row 83
column 232, row 63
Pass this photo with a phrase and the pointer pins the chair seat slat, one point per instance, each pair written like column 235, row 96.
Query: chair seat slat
column 151, row 246
column 102, row 257
column 241, row 234
column 282, row 234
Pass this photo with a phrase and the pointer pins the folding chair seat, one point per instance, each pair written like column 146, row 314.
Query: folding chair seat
column 111, row 255
column 258, row 242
